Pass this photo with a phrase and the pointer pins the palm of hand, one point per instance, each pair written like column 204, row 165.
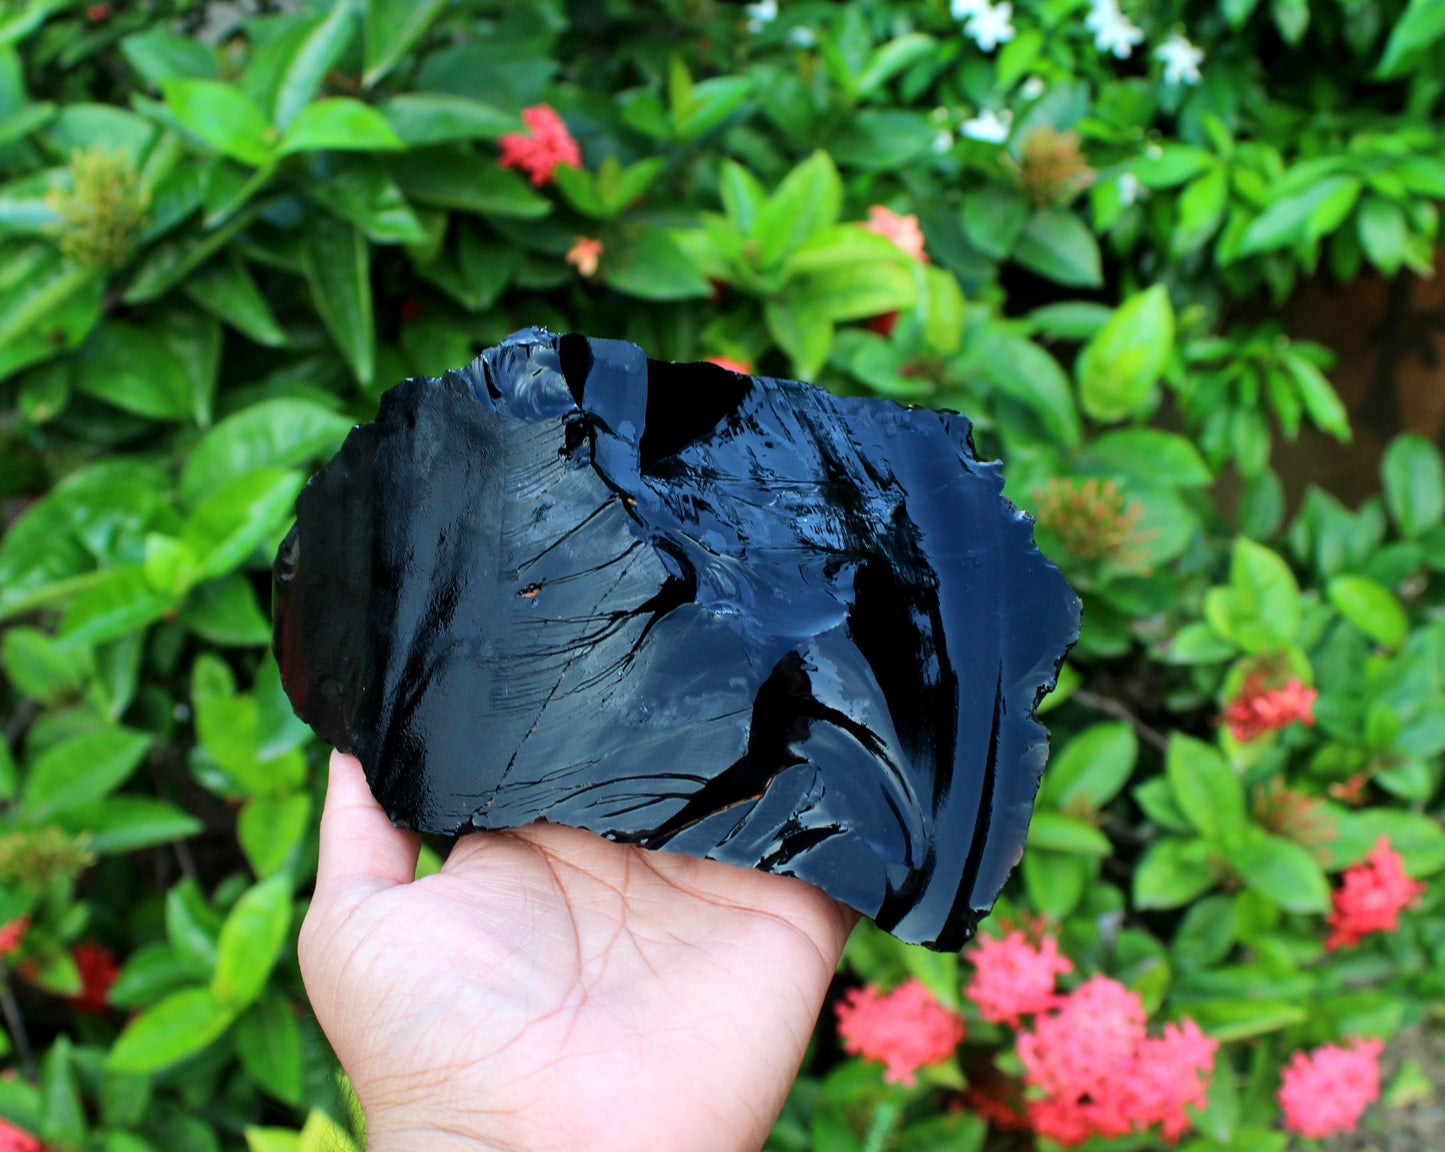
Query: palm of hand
column 549, row 989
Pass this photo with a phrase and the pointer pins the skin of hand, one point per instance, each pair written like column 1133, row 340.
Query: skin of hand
column 550, row 991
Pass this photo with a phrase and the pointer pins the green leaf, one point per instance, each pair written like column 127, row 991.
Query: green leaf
column 1058, row 833
column 337, row 261
column 233, row 518
column 222, row 116
column 1119, row 367
column 1320, row 399
column 1383, row 233
column 420, row 118
column 1421, row 25
column 1091, row 768
column 159, row 54
column 315, row 55
column 1414, row 478
column 225, row 612
column 1055, row 882
column 42, row 667
column 282, row 433
column 848, row 273
column 892, row 58
column 149, row 973
column 1201, row 211
column 1239, row 1019
column 127, row 366
column 1206, row 790
column 270, row 827
column 229, row 730
column 125, row 823
column 1059, row 246
column 1019, row 368
column 392, row 27
column 651, row 265
column 62, row 1113
column 179, row 1026
column 806, row 201
column 1150, row 454
column 339, row 123
column 802, row 330
column 268, row 1041
column 1172, row 872
column 994, row 216
column 1282, row 871
column 81, row 769
column 1418, row 838
column 449, row 178
column 1310, row 211
column 1265, row 590
column 1370, row 607
column 225, row 288
column 710, row 102
column 114, row 602
column 251, row 940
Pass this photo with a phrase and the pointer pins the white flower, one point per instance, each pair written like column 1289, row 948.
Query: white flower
column 1113, row 31
column 963, row 9
column 1131, row 189
column 802, row 37
column 990, row 26
column 762, row 13
column 942, row 141
column 988, row 126
column 1181, row 60
column 1032, row 88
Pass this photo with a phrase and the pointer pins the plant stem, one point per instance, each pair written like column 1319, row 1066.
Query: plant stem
column 1111, row 707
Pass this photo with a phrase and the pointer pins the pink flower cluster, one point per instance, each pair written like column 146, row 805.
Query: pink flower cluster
column 543, row 149
column 1326, row 1091
column 1100, row 1074
column 902, row 230
column 903, row 1030
column 1372, row 897
column 742, row 367
column 1257, row 709
column 13, row 1139
column 1012, row 978
column 12, row 935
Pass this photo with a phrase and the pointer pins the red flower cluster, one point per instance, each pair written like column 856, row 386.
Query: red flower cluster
column 1012, row 978
column 1101, row 1075
column 540, row 152
column 903, row 1030
column 742, row 367
column 1327, row 1090
column 12, row 935
column 97, row 973
column 1257, row 709
column 1372, row 897
column 14, row 1139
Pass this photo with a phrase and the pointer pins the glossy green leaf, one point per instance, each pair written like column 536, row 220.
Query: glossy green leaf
column 270, row 827
column 1414, row 477
column 81, row 769
column 223, row 117
column 1058, row 833
column 392, row 27
column 339, row 123
column 314, row 56
column 1019, row 368
column 651, row 265
column 1421, row 25
column 125, row 823
column 420, row 118
column 160, row 55
column 1091, row 768
column 112, row 603
column 1057, row 245
column 234, row 517
column 337, row 262
column 1172, row 872
column 1150, row 454
column 179, row 1026
column 43, row 668
column 1370, row 607
column 125, row 365
column 1417, row 837
column 251, row 940
column 1240, row 1019
column 268, row 1041
column 281, row 433
column 1206, row 789
column 1282, row 871
column 226, row 288
column 1119, row 367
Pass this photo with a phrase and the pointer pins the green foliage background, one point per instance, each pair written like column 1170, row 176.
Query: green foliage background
column 221, row 244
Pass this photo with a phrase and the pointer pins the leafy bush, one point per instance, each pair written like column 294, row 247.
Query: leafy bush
column 223, row 237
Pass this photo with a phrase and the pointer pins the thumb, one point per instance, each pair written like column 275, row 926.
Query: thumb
column 359, row 846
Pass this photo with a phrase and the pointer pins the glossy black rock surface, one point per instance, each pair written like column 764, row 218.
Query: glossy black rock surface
column 724, row 615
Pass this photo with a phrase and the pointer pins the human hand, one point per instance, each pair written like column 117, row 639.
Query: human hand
column 550, row 991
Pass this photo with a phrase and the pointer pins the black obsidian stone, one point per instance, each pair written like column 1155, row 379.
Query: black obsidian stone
column 731, row 616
